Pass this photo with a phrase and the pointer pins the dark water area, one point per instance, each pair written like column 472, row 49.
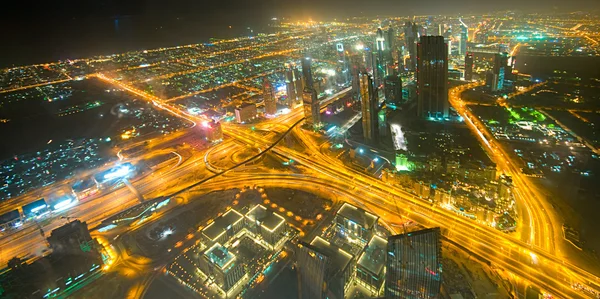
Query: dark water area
column 53, row 40
column 544, row 66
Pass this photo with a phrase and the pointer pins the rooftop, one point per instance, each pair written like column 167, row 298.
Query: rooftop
column 358, row 215
column 373, row 259
column 222, row 224
column 267, row 219
column 220, row 256
column 339, row 258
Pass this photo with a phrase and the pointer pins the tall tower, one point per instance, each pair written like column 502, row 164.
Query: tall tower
column 290, row 86
column 495, row 78
column 356, row 67
column 390, row 52
column 368, row 94
column 312, row 270
column 312, row 107
column 464, row 38
column 411, row 33
column 432, row 77
column 392, row 89
column 469, row 64
column 379, row 64
column 414, row 265
column 269, row 97
column 298, row 85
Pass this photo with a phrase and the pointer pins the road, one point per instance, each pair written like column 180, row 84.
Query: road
column 535, row 257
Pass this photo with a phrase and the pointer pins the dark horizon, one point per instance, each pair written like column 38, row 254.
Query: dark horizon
column 50, row 31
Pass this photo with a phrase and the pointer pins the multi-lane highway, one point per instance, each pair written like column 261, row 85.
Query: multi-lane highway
column 534, row 257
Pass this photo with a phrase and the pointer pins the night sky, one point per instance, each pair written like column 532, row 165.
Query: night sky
column 42, row 31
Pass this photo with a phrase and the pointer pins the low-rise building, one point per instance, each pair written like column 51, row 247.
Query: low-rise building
column 223, row 228
column 370, row 269
column 269, row 225
column 222, row 266
column 356, row 223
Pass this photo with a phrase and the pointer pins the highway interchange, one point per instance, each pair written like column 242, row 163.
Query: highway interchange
column 534, row 257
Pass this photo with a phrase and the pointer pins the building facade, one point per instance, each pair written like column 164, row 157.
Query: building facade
column 414, row 265
column 356, row 222
column 469, row 65
column 432, row 77
column 392, row 89
column 369, row 108
column 245, row 112
column 269, row 98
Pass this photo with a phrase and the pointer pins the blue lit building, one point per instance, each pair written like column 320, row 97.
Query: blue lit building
column 222, row 266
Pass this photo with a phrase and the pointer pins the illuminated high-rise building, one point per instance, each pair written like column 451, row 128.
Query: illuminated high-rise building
column 391, row 38
column 392, row 89
column 369, row 102
column 312, row 268
column 343, row 71
column 310, row 102
column 269, row 97
column 291, row 86
column 379, row 63
column 307, row 73
column 414, row 265
column 411, row 34
column 464, row 38
column 311, row 107
column 390, row 50
column 380, row 41
column 356, row 68
column 324, row 269
column 298, row 84
column 495, row 78
column 432, row 77
column 469, row 64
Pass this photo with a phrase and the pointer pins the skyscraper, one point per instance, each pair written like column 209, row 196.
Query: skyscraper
column 432, row 77
column 312, row 107
column 324, row 270
column 414, row 265
column 369, row 102
column 312, row 266
column 290, row 86
column 495, row 78
column 392, row 89
column 469, row 64
column 379, row 63
column 298, row 84
column 464, row 38
column 391, row 38
column 342, row 72
column 356, row 67
column 411, row 33
column 269, row 97
column 307, row 73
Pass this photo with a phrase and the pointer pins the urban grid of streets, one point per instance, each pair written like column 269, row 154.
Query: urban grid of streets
column 534, row 255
